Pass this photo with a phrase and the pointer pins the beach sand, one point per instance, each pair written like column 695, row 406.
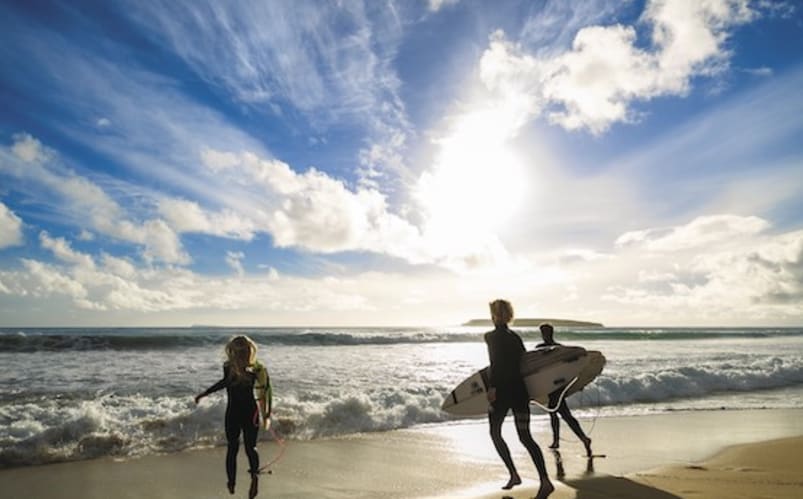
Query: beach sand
column 653, row 456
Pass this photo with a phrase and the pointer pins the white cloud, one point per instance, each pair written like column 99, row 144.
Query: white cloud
column 758, row 281
column 735, row 271
column 28, row 149
column 594, row 84
column 700, row 232
column 188, row 216
column 118, row 266
column 10, row 228
column 319, row 213
column 48, row 280
column 64, row 252
column 651, row 276
column 85, row 235
column 310, row 210
column 85, row 201
column 103, row 122
column 436, row 5
column 582, row 255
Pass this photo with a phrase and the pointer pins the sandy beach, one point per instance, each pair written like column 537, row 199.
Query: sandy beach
column 685, row 454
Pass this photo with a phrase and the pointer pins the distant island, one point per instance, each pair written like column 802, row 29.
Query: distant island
column 529, row 322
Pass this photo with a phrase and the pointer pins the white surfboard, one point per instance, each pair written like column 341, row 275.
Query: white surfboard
column 544, row 370
column 593, row 367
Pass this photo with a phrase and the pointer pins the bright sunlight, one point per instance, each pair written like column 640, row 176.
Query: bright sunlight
column 478, row 180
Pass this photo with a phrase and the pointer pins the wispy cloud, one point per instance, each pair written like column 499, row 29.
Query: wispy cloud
column 234, row 259
column 330, row 62
column 132, row 117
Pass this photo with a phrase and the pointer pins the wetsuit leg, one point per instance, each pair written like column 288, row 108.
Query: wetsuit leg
column 496, row 416
column 250, row 432
column 554, row 420
column 521, row 411
column 233, row 438
column 567, row 416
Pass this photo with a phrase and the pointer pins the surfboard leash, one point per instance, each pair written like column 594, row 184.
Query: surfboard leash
column 560, row 398
column 599, row 410
column 282, row 447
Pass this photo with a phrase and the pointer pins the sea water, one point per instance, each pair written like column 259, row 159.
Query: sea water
column 68, row 394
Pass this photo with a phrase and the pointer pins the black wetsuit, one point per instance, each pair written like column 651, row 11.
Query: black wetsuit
column 241, row 415
column 563, row 409
column 505, row 349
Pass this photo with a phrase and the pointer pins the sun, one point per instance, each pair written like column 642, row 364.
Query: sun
column 478, row 180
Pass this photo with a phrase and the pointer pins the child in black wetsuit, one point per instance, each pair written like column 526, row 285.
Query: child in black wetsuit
column 506, row 391
column 243, row 378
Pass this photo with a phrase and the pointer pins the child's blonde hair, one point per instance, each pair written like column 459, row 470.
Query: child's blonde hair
column 241, row 352
column 501, row 312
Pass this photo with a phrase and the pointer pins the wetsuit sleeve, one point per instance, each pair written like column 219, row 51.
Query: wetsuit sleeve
column 269, row 393
column 220, row 384
column 493, row 374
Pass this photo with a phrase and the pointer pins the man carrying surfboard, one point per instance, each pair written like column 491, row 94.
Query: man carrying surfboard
column 548, row 333
column 506, row 390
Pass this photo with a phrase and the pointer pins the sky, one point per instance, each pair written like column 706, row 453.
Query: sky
column 401, row 163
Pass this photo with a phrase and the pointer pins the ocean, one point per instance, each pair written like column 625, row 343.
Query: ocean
column 80, row 393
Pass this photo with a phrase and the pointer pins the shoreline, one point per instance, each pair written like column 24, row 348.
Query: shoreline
column 650, row 454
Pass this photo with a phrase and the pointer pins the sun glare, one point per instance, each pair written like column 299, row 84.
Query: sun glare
column 478, row 180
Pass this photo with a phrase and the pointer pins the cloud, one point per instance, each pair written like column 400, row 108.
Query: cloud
column 319, row 213
column 64, row 252
column 436, row 5
column 188, row 216
column 46, row 280
column 85, row 235
column 314, row 211
column 10, row 228
column 85, row 201
column 285, row 52
column 594, row 84
column 155, row 130
column 760, row 71
column 28, row 149
column 700, row 232
column 291, row 54
column 713, row 269
column 234, row 259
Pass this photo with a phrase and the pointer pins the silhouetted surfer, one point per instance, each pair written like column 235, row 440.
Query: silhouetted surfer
column 547, row 333
column 506, row 390
column 243, row 378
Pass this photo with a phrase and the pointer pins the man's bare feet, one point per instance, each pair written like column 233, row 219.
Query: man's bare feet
column 545, row 489
column 514, row 480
